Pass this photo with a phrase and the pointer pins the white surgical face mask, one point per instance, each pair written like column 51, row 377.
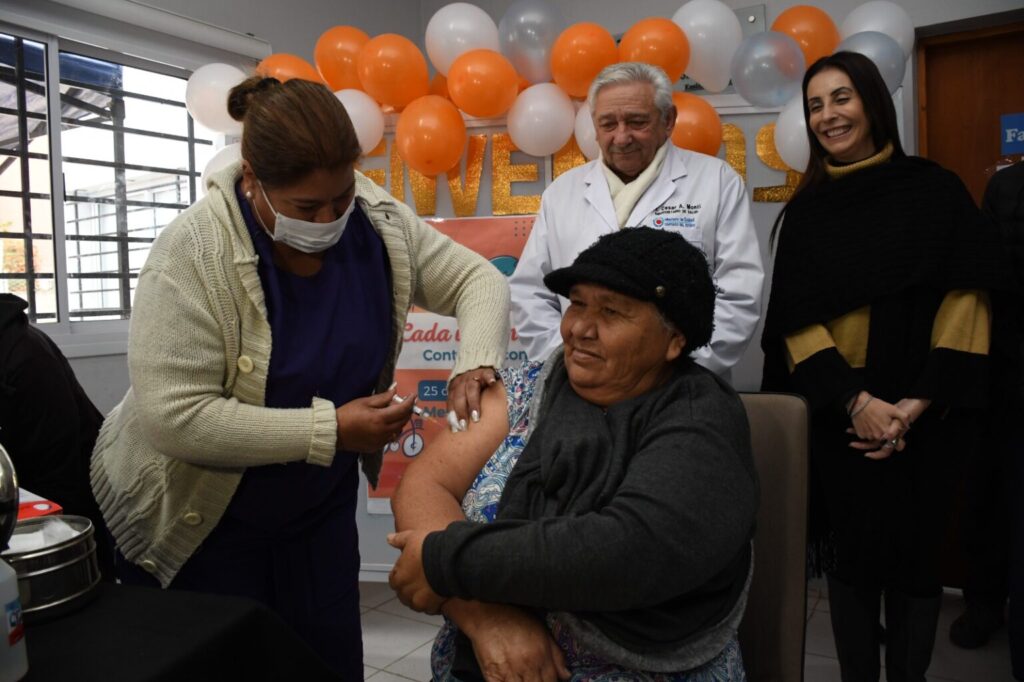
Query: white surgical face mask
column 303, row 235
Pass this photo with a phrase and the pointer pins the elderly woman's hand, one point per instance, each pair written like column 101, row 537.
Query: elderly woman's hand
column 509, row 643
column 407, row 578
column 464, row 396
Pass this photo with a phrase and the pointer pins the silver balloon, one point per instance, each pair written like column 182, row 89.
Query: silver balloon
column 882, row 16
column 885, row 52
column 767, row 69
column 526, row 34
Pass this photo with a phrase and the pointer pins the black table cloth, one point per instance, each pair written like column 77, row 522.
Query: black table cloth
column 139, row 634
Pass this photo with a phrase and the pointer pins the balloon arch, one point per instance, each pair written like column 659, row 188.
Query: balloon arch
column 534, row 69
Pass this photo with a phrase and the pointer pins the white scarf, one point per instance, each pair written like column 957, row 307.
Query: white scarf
column 625, row 196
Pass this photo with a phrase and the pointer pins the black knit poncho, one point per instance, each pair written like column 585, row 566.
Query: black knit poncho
column 896, row 236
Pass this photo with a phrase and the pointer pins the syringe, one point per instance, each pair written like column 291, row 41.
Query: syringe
column 416, row 409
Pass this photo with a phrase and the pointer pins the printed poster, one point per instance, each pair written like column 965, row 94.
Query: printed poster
column 431, row 343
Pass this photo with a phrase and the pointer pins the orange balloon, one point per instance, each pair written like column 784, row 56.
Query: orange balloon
column 811, row 28
column 483, row 83
column 579, row 54
column 430, row 135
column 698, row 127
column 659, row 42
column 284, row 67
column 335, row 56
column 392, row 70
column 523, row 84
column 439, row 86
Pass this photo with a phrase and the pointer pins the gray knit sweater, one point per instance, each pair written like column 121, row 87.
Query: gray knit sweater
column 632, row 526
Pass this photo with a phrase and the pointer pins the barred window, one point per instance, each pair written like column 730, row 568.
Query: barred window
column 129, row 161
column 26, row 210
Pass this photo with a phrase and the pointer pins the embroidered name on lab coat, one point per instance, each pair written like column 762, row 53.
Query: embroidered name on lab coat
column 682, row 216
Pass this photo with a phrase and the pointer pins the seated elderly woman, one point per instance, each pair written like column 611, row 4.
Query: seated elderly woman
column 605, row 527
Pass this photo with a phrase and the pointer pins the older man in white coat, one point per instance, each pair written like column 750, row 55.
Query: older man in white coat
column 642, row 178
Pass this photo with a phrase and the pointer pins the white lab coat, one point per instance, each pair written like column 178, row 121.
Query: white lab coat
column 696, row 195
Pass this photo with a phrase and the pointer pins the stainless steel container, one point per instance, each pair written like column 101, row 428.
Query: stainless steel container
column 8, row 498
column 58, row 577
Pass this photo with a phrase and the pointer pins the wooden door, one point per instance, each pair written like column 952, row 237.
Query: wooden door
column 965, row 82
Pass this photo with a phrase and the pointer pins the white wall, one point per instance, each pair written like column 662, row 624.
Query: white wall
column 295, row 26
column 290, row 28
column 104, row 378
column 617, row 16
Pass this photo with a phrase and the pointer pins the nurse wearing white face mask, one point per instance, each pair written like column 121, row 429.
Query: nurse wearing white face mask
column 303, row 235
column 266, row 326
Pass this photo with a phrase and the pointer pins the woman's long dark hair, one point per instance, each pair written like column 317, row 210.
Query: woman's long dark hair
column 878, row 108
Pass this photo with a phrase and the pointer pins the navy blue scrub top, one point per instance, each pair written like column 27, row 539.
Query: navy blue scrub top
column 330, row 334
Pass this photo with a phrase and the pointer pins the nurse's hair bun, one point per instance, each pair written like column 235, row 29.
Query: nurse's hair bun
column 291, row 128
column 241, row 96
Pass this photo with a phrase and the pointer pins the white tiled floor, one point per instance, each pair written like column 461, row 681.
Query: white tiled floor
column 990, row 663
column 397, row 641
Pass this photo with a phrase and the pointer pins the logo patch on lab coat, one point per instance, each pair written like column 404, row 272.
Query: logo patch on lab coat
column 679, row 216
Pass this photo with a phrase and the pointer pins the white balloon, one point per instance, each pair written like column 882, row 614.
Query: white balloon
column 541, row 120
column 714, row 33
column 791, row 135
column 366, row 117
column 586, row 134
column 206, row 96
column 219, row 161
column 458, row 28
column 884, row 17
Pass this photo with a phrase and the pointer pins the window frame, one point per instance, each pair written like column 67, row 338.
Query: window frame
column 23, row 159
column 92, row 338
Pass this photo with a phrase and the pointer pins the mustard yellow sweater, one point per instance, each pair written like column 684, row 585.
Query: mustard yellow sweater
column 962, row 324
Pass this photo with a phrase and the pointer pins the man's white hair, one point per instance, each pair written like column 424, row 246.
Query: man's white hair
column 635, row 72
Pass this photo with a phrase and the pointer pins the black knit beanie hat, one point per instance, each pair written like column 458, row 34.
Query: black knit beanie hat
column 650, row 265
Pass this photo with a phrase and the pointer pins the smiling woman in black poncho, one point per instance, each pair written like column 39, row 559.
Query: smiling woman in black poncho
column 879, row 316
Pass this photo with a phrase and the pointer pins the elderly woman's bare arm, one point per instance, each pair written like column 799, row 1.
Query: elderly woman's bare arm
column 508, row 642
column 429, row 497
